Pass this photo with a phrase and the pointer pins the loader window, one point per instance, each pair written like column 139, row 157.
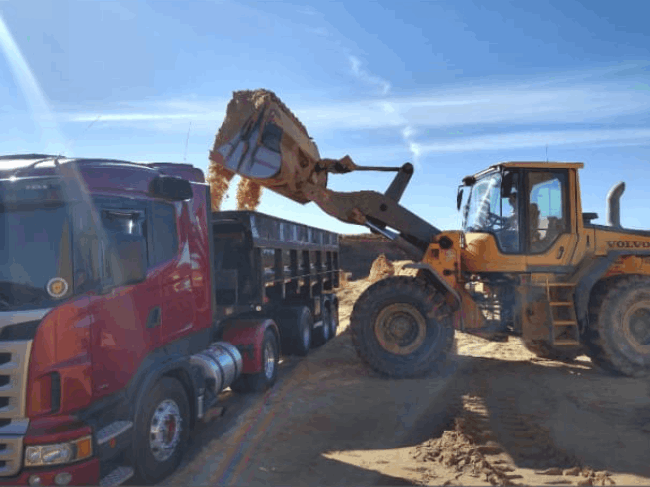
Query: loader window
column 546, row 209
column 489, row 211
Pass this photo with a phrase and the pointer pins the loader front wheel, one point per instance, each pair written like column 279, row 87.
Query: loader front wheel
column 618, row 338
column 402, row 327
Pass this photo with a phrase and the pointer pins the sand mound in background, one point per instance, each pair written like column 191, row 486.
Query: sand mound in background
column 381, row 267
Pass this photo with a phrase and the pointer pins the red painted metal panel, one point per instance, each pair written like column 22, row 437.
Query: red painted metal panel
column 249, row 333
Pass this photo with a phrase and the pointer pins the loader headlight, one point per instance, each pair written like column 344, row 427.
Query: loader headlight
column 72, row 451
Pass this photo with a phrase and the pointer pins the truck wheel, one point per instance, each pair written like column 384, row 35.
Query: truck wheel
column 162, row 431
column 264, row 379
column 323, row 333
column 296, row 325
column 619, row 333
column 334, row 313
column 543, row 350
column 402, row 328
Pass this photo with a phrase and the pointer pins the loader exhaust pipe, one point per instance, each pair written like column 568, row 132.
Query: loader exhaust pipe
column 614, row 205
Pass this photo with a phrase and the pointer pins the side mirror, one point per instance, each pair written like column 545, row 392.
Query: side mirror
column 171, row 188
column 459, row 197
column 127, row 261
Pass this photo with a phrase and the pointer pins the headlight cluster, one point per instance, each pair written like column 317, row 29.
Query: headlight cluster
column 72, row 451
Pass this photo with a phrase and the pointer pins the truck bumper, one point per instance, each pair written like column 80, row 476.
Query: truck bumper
column 82, row 473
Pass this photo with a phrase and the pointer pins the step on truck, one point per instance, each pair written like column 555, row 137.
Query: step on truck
column 127, row 306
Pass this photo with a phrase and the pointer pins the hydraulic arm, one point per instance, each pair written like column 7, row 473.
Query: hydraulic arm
column 262, row 140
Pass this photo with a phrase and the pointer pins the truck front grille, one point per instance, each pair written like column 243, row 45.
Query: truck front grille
column 14, row 362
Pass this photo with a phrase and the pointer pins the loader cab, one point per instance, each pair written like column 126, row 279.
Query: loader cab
column 524, row 206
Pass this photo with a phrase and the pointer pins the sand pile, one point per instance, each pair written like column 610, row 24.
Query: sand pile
column 381, row 267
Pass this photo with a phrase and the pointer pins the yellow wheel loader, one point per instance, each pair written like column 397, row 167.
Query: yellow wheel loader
column 527, row 262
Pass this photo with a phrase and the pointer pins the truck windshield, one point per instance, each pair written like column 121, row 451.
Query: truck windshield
column 35, row 256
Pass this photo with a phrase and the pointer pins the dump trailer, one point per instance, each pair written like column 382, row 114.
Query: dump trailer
column 277, row 268
column 527, row 262
column 127, row 306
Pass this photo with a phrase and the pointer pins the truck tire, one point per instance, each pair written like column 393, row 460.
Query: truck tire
column 402, row 327
column 323, row 333
column 618, row 339
column 334, row 313
column 263, row 380
column 296, row 328
column 161, row 431
column 543, row 350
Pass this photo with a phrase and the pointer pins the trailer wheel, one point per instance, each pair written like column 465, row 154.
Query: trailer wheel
column 296, row 327
column 162, row 431
column 402, row 328
column 618, row 339
column 264, row 379
column 334, row 314
column 323, row 333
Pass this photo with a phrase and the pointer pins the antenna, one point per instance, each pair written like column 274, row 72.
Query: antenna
column 83, row 133
column 186, row 141
column 546, row 152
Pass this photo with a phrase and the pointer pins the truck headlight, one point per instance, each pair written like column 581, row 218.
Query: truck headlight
column 72, row 451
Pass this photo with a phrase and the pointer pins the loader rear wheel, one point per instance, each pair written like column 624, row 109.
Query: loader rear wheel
column 402, row 327
column 543, row 350
column 618, row 339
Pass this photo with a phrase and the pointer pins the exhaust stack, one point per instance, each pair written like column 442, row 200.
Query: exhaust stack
column 614, row 205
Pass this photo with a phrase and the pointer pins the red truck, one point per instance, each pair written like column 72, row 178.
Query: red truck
column 127, row 306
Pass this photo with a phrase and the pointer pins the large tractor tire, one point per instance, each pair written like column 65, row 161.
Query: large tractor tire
column 543, row 350
column 402, row 328
column 618, row 339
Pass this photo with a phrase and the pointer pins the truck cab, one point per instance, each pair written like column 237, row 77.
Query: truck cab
column 118, row 327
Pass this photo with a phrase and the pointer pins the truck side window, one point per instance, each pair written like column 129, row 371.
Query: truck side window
column 164, row 233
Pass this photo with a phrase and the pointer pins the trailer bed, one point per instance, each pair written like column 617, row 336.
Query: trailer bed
column 262, row 261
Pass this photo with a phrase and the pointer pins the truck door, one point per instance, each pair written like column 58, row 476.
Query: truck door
column 550, row 241
column 172, row 256
column 126, row 320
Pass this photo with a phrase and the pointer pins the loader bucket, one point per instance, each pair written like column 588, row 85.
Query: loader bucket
column 262, row 140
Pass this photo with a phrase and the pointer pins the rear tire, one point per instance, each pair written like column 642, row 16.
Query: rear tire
column 323, row 333
column 543, row 350
column 264, row 379
column 296, row 327
column 618, row 339
column 161, row 431
column 402, row 328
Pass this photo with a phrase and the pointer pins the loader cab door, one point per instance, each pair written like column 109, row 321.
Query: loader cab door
column 549, row 241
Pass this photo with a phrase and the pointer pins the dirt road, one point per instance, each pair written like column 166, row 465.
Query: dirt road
column 497, row 416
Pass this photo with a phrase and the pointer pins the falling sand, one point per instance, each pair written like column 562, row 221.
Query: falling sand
column 248, row 195
column 240, row 108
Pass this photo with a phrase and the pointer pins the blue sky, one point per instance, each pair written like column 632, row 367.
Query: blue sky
column 452, row 86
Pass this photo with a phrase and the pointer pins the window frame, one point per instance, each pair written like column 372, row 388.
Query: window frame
column 151, row 243
column 563, row 176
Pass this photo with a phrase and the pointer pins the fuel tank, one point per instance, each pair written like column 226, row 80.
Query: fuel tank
column 221, row 364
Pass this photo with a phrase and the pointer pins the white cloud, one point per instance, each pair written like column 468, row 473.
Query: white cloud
column 363, row 75
column 640, row 136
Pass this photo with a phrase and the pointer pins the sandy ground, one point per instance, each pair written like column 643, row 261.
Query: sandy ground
column 496, row 416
